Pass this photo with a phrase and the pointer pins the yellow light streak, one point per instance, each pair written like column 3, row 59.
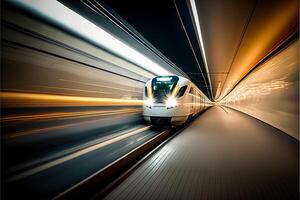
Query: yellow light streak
column 14, row 99
column 61, row 127
column 56, row 115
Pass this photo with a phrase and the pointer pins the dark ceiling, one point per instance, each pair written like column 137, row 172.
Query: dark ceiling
column 166, row 24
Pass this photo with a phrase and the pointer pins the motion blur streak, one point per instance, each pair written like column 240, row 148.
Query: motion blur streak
column 77, row 154
column 56, row 115
column 11, row 99
column 65, row 99
column 271, row 92
column 22, row 119
column 69, row 19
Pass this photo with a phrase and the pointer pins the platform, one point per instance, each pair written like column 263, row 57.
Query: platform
column 223, row 154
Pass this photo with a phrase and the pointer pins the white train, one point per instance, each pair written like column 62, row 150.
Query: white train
column 172, row 100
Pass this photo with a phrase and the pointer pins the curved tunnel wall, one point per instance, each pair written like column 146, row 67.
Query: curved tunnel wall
column 271, row 92
column 55, row 82
column 38, row 58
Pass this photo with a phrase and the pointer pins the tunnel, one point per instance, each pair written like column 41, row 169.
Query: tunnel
column 169, row 99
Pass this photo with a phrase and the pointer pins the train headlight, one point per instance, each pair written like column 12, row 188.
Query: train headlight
column 171, row 102
column 149, row 102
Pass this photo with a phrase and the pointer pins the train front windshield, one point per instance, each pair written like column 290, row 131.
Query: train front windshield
column 163, row 87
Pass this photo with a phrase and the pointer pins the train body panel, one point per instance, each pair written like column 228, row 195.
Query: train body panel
column 171, row 100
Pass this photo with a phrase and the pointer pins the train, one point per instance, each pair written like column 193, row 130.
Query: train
column 172, row 101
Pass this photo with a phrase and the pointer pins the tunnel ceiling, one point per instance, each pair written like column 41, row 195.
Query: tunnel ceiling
column 167, row 25
column 237, row 35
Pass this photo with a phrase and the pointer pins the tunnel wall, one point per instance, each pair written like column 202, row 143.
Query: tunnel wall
column 271, row 92
column 55, row 83
column 39, row 58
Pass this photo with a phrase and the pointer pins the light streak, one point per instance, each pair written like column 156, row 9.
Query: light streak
column 14, row 99
column 198, row 27
column 65, row 126
column 66, row 115
column 67, row 18
column 77, row 154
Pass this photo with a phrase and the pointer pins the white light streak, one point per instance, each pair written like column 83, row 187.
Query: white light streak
column 62, row 15
column 196, row 19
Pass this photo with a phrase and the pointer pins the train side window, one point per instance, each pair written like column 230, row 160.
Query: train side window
column 181, row 91
column 146, row 92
